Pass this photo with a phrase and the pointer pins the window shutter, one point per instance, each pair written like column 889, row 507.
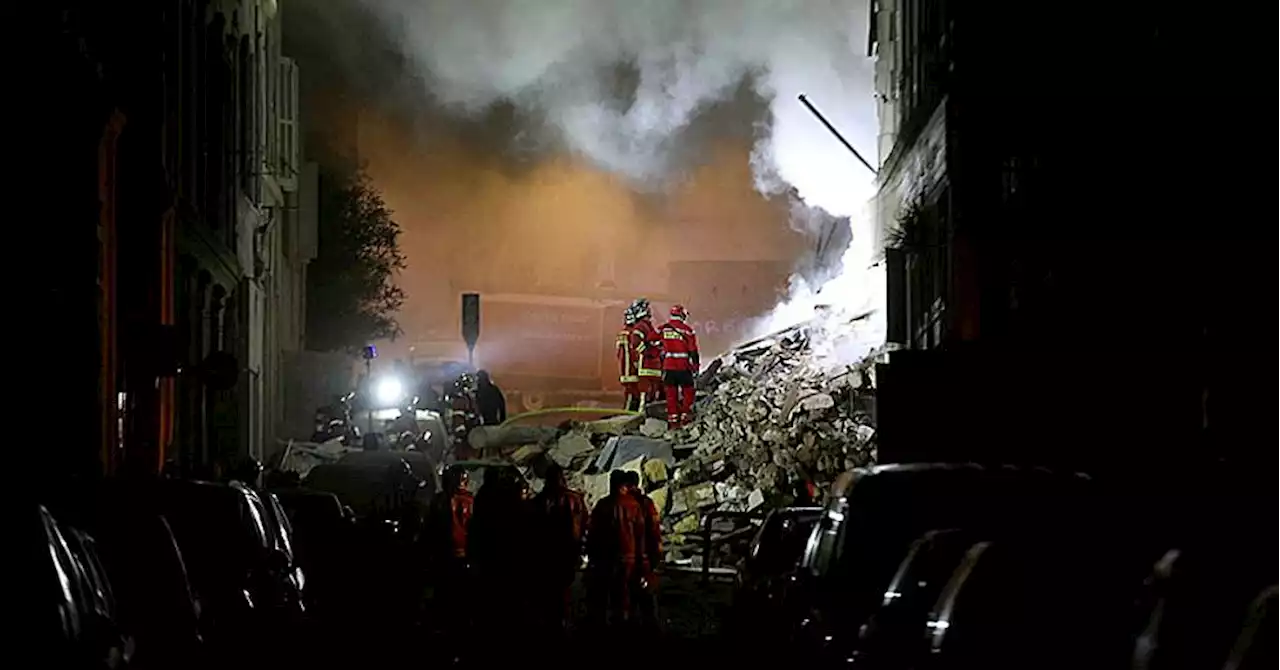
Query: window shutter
column 287, row 115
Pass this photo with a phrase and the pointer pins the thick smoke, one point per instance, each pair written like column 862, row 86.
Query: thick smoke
column 560, row 60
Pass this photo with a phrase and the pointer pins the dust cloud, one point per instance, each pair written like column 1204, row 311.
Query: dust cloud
column 562, row 226
column 579, row 147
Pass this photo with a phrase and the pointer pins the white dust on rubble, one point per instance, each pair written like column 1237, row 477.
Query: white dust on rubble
column 856, row 292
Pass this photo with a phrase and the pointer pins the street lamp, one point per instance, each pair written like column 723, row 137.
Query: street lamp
column 389, row 391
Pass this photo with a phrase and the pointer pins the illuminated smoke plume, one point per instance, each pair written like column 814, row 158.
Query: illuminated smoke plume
column 559, row 59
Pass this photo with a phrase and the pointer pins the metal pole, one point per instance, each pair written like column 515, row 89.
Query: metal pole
column 368, row 391
column 823, row 119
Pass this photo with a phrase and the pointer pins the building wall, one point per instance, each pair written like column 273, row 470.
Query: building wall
column 1069, row 289
column 113, row 349
column 886, row 47
column 175, row 155
column 69, row 350
column 270, row 222
column 293, row 246
column 926, row 181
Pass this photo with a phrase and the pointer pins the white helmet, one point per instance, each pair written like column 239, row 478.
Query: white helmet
column 640, row 308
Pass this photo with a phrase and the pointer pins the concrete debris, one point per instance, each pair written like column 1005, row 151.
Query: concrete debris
column 569, row 447
column 655, row 470
column 614, row 425
column 693, row 498
column 653, row 428
column 594, row 488
column 628, row 447
column 659, row 496
column 633, row 465
column 493, row 437
column 525, row 454
column 772, row 413
column 300, row 457
column 685, row 525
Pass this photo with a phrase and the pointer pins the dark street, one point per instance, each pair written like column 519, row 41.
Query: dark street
column 884, row 334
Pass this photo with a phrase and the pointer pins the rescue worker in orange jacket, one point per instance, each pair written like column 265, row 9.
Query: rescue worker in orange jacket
column 680, row 363
column 615, row 546
column 650, row 352
column 451, row 513
column 646, row 591
column 560, row 518
column 653, row 523
column 629, row 361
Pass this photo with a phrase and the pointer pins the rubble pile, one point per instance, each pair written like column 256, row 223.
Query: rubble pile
column 771, row 413
column 774, row 412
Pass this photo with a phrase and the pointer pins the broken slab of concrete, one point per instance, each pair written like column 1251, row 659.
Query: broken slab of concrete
column 614, row 425
column 525, row 454
column 653, row 428
column 570, row 446
column 655, row 471
column 493, row 437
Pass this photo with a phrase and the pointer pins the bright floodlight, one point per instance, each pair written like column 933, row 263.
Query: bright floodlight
column 389, row 390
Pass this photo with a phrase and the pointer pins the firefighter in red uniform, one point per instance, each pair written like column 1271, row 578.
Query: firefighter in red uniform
column 629, row 361
column 646, row 591
column 560, row 516
column 463, row 415
column 679, row 365
column 616, row 550
column 650, row 352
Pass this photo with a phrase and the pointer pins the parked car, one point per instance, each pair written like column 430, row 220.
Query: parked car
column 873, row 516
column 57, row 616
column 1209, row 592
column 102, row 631
column 323, row 533
column 377, row 485
column 772, row 559
column 891, row 638
column 285, row 573
column 244, row 582
column 1048, row 600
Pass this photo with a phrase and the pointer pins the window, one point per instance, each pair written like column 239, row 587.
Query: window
column 244, row 114
column 271, row 95
column 287, row 115
column 928, row 274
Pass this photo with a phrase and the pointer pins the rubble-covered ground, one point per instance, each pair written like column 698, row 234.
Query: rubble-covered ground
column 773, row 412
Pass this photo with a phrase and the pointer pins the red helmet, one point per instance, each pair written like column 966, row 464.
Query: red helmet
column 679, row 312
